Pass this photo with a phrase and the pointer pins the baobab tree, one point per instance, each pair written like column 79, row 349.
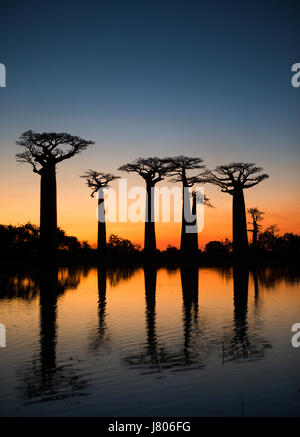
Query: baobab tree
column 179, row 168
column 97, row 181
column 43, row 151
column 256, row 216
column 152, row 170
column 233, row 179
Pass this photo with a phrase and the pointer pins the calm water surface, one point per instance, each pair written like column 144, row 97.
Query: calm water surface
column 147, row 342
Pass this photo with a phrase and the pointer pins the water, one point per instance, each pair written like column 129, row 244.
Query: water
column 135, row 342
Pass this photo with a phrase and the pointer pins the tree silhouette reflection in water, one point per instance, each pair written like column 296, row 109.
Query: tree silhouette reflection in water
column 197, row 344
column 100, row 338
column 153, row 356
column 189, row 284
column 157, row 356
column 113, row 276
column 101, row 272
column 49, row 375
column 244, row 344
column 44, row 379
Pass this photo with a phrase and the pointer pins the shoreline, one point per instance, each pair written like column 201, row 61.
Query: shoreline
column 158, row 260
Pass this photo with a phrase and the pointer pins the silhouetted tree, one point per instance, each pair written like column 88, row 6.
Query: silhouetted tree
column 97, row 181
column 218, row 247
column 171, row 250
column 152, row 170
column 43, row 151
column 271, row 241
column 291, row 243
column 119, row 244
column 19, row 240
column 180, row 166
column 233, row 179
column 268, row 240
column 23, row 241
column 256, row 216
column 70, row 243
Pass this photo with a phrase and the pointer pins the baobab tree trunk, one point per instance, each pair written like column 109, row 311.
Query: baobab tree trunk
column 254, row 236
column 239, row 223
column 101, row 243
column 195, row 233
column 150, row 240
column 189, row 240
column 48, row 214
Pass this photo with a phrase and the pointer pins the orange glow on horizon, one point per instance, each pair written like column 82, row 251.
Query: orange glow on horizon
column 77, row 210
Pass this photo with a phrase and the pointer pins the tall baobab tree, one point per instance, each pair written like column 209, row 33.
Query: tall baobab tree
column 43, row 151
column 233, row 179
column 256, row 216
column 97, row 181
column 152, row 170
column 179, row 168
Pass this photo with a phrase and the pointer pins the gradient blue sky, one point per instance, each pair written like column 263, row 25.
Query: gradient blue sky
column 205, row 78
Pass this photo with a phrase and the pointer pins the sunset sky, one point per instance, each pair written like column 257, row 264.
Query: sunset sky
column 144, row 78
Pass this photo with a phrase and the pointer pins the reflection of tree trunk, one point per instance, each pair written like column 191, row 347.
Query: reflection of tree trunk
column 254, row 236
column 256, row 289
column 150, row 273
column 150, row 241
column 48, row 308
column 240, row 300
column 239, row 223
column 101, row 243
column 48, row 213
column 189, row 284
column 102, row 300
column 43, row 379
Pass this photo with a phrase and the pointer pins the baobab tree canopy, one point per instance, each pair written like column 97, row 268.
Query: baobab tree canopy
column 236, row 175
column 256, row 214
column 151, row 169
column 178, row 172
column 180, row 164
column 96, row 180
column 48, row 148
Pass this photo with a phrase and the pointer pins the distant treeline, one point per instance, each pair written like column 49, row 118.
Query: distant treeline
column 24, row 240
